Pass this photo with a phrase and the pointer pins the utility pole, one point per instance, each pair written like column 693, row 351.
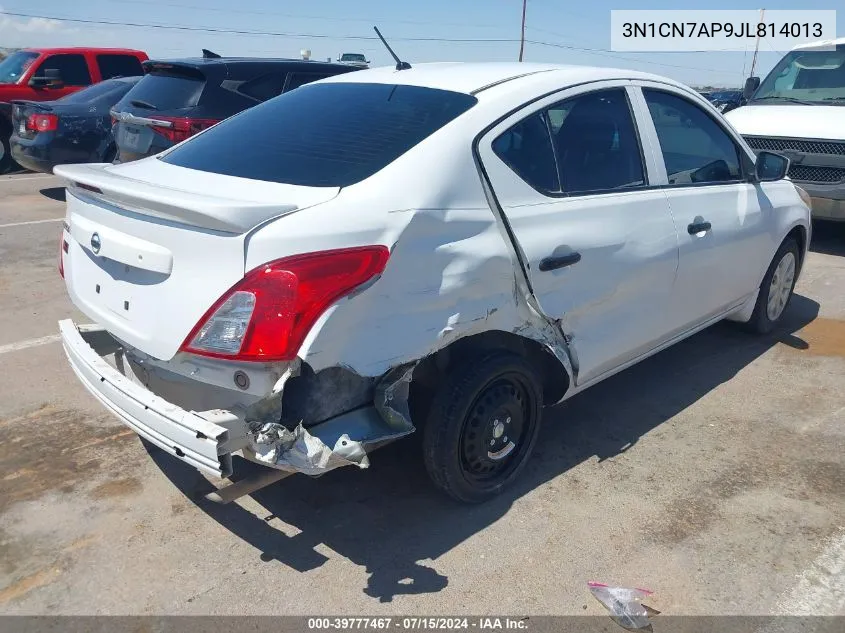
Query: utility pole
column 522, row 37
column 756, row 46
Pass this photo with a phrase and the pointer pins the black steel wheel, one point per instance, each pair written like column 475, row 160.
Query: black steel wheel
column 483, row 425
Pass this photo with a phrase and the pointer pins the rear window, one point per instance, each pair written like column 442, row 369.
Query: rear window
column 322, row 135
column 113, row 88
column 167, row 92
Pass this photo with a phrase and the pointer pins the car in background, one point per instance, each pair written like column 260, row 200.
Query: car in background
column 47, row 74
column 74, row 129
column 354, row 59
column 799, row 111
column 726, row 100
column 446, row 248
column 178, row 98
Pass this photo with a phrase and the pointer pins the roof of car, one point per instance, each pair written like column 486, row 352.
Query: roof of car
column 83, row 49
column 229, row 61
column 471, row 78
column 819, row 44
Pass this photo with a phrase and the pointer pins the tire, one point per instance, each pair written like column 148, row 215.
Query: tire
column 776, row 280
column 6, row 161
column 466, row 448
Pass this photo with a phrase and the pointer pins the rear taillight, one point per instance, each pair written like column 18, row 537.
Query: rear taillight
column 181, row 128
column 266, row 315
column 42, row 122
column 63, row 248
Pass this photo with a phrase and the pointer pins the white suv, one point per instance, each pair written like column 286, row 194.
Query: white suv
column 449, row 247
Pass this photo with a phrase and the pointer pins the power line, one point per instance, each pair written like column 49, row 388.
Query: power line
column 227, row 31
column 606, row 53
column 309, row 17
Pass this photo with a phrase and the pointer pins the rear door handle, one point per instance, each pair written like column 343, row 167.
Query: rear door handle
column 559, row 261
column 698, row 227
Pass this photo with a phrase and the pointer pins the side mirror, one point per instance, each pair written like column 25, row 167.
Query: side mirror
column 771, row 166
column 751, row 85
column 51, row 78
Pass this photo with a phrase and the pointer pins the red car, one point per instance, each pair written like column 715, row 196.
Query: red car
column 46, row 74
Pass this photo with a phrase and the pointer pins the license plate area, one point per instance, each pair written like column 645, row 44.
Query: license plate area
column 135, row 138
column 110, row 285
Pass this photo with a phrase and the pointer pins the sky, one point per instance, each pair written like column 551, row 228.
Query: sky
column 330, row 27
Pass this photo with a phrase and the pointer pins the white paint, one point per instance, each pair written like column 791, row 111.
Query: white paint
column 33, row 342
column 793, row 121
column 11, row 224
column 821, row 587
column 454, row 268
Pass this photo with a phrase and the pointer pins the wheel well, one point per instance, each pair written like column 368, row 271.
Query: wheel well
column 5, row 125
column 799, row 234
column 431, row 370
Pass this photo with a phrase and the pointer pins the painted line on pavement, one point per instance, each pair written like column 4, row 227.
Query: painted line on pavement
column 33, row 342
column 821, row 587
column 11, row 224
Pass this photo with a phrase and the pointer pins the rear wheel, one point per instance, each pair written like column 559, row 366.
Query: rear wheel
column 482, row 425
column 776, row 289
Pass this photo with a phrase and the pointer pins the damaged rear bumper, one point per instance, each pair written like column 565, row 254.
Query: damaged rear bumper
column 207, row 439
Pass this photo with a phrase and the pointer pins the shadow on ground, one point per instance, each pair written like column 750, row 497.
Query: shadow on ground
column 54, row 193
column 828, row 238
column 389, row 518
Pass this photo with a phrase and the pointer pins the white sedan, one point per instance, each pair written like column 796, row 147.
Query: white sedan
column 446, row 248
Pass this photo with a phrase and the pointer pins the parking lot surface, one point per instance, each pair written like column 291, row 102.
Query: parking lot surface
column 712, row 473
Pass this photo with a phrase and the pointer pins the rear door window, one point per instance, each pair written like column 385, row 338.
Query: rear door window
column 119, row 66
column 264, row 87
column 295, row 80
column 323, row 135
column 73, row 69
column 166, row 91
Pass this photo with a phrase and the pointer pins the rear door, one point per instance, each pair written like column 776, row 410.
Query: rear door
column 573, row 180
column 721, row 216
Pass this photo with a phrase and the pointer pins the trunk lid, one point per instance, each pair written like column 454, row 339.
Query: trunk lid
column 22, row 110
column 152, row 246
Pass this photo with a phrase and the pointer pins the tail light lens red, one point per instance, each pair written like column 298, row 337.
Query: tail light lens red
column 182, row 128
column 266, row 316
column 42, row 122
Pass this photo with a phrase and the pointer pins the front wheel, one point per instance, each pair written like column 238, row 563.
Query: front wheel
column 482, row 425
column 776, row 289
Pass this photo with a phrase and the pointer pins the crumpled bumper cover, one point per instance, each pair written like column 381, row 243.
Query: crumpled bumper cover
column 207, row 439
column 191, row 437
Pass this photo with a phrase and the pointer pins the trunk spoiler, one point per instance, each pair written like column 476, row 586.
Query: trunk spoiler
column 175, row 205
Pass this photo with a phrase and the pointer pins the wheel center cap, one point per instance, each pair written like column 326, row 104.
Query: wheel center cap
column 498, row 429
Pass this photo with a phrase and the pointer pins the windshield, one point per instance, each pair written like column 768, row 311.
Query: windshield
column 322, row 135
column 352, row 57
column 14, row 66
column 806, row 76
